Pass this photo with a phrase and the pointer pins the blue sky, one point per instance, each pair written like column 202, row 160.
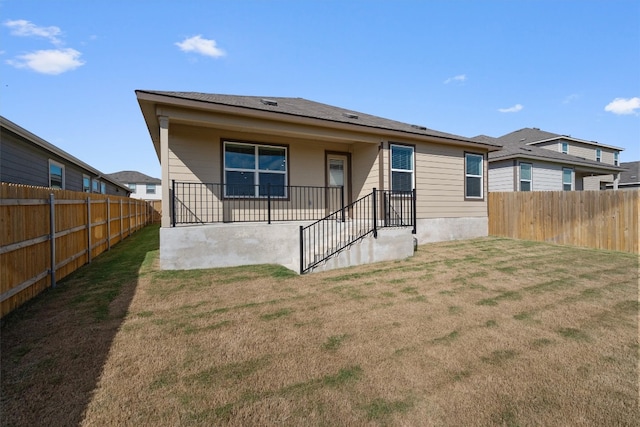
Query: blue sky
column 69, row 68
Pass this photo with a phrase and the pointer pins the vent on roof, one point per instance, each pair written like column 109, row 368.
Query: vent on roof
column 525, row 149
column 523, row 139
column 269, row 102
column 350, row 115
column 418, row 127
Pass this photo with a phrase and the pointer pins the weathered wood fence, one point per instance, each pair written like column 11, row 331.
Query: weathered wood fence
column 594, row 219
column 46, row 234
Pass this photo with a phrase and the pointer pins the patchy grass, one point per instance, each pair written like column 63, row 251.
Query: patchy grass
column 463, row 333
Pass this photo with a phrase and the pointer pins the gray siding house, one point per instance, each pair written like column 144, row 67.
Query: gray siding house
column 536, row 160
column 30, row 160
column 630, row 177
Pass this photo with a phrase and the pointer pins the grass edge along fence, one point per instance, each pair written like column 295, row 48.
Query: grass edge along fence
column 46, row 234
column 595, row 219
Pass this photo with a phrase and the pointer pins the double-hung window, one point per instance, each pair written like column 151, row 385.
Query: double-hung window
column 598, row 155
column 616, row 159
column 103, row 188
column 95, row 186
column 132, row 186
column 565, row 147
column 402, row 167
column 254, row 170
column 151, row 189
column 86, row 183
column 473, row 188
column 56, row 175
column 567, row 179
column 526, row 178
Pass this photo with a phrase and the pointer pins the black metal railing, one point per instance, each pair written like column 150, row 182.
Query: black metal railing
column 332, row 234
column 202, row 203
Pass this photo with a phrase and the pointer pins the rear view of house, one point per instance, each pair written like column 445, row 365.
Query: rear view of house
column 248, row 180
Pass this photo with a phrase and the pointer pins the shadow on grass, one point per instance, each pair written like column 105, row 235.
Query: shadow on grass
column 54, row 347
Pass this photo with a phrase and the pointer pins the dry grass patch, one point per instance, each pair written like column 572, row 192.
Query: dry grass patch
column 481, row 332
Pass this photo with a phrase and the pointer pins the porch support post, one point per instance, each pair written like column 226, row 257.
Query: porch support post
column 164, row 163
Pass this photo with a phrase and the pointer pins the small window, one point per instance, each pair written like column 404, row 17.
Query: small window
column 95, row 186
column 616, row 159
column 151, row 189
column 103, row 188
column 132, row 186
column 56, row 175
column 473, row 188
column 565, row 148
column 401, row 168
column 567, row 179
column 252, row 170
column 525, row 177
column 598, row 155
column 86, row 184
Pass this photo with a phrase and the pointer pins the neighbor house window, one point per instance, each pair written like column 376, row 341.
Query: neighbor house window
column 95, row 186
column 86, row 184
column 598, row 154
column 56, row 175
column 253, row 170
column 402, row 168
column 132, row 186
column 151, row 189
column 565, row 147
column 616, row 159
column 567, row 179
column 103, row 188
column 473, row 176
column 525, row 177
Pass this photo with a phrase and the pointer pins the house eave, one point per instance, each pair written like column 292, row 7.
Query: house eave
column 580, row 166
column 581, row 141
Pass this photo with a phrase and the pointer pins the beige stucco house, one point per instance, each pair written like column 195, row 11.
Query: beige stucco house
column 248, row 180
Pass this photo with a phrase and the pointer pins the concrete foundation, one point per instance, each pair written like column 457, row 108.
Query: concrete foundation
column 444, row 229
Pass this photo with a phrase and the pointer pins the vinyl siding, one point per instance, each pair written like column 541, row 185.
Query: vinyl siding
column 501, row 176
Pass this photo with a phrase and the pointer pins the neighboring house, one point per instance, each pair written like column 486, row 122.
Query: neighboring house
column 237, row 164
column 535, row 160
column 142, row 186
column 630, row 177
column 28, row 159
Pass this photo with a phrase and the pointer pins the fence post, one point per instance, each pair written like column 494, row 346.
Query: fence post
column 301, row 250
column 172, row 203
column 121, row 223
column 342, row 202
column 52, row 237
column 88, row 230
column 108, row 225
column 268, row 202
column 375, row 214
column 414, row 214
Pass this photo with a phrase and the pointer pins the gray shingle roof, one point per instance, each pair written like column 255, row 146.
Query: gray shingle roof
column 631, row 174
column 134, row 177
column 310, row 109
column 514, row 145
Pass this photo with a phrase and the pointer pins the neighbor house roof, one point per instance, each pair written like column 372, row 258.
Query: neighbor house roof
column 514, row 147
column 533, row 136
column 134, row 177
column 39, row 142
column 631, row 174
column 298, row 107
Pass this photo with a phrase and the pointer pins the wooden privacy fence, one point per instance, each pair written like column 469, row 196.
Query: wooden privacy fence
column 594, row 219
column 46, row 234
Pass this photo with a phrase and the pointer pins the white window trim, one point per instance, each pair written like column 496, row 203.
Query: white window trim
column 481, row 176
column 598, row 155
column 413, row 165
column 147, row 189
column 256, row 170
column 562, row 149
column 93, row 182
column 86, row 189
column 61, row 166
column 530, row 180
column 616, row 159
column 563, row 183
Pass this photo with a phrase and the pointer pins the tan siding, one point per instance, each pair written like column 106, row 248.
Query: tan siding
column 364, row 169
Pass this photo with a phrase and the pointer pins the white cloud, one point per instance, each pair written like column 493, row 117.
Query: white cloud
column 202, row 46
column 513, row 109
column 624, row 106
column 459, row 79
column 52, row 61
column 24, row 28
